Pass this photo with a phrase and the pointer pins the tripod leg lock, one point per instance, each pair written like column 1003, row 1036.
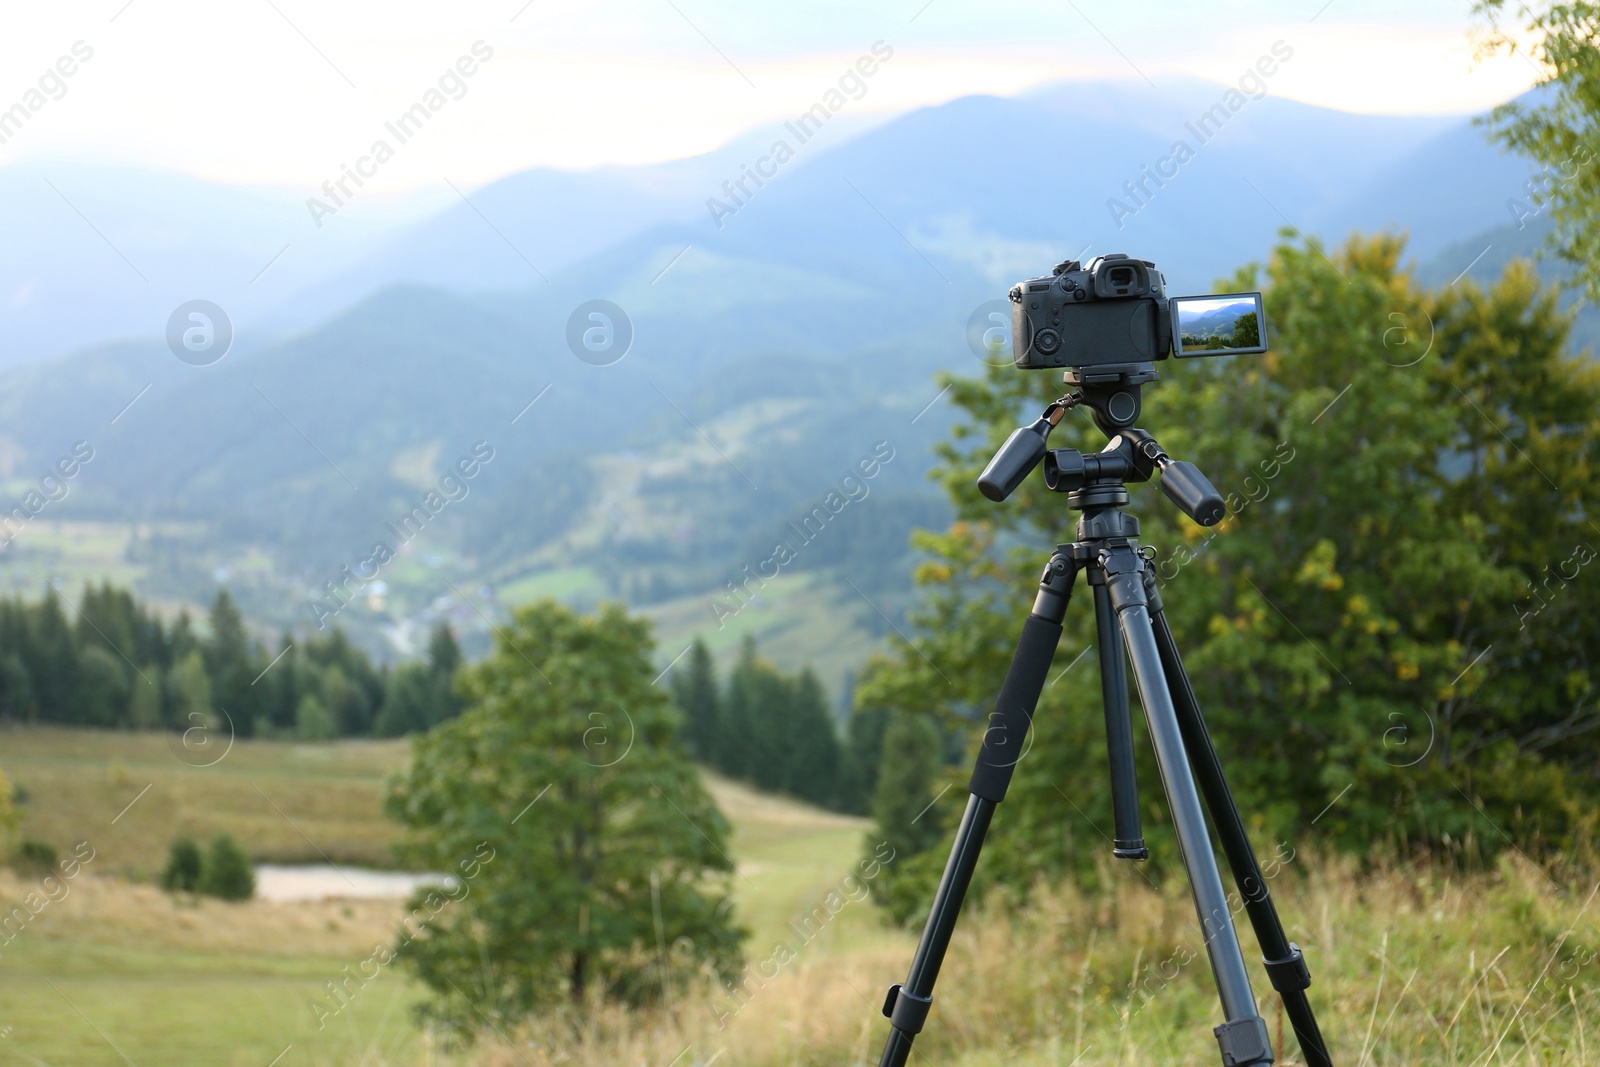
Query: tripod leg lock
column 905, row 1010
column 1290, row 973
column 1245, row 1043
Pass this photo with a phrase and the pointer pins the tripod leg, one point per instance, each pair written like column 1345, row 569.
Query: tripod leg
column 1286, row 966
column 1129, row 841
column 1243, row 1037
column 909, row 1002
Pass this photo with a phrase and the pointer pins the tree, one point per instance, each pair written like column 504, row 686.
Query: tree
column 233, row 661
column 903, row 813
column 408, row 702
column 863, row 752
column 145, row 702
column 313, row 721
column 811, row 759
column 1395, row 614
column 103, row 688
column 694, row 688
column 736, row 725
column 1556, row 127
column 608, row 860
column 226, row 872
column 182, row 873
column 190, row 700
column 444, row 660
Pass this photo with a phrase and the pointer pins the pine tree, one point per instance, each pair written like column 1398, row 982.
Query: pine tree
column 313, row 721
column 182, row 873
column 233, row 661
column 408, row 702
column 901, row 811
column 736, row 724
column 189, row 702
column 694, row 687
column 227, row 872
column 812, row 765
column 863, row 752
column 444, row 660
column 146, row 702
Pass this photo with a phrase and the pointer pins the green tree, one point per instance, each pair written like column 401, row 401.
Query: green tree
column 903, row 810
column 694, row 688
column 1556, row 127
column 609, row 865
column 736, row 725
column 313, row 721
column 863, row 752
column 1246, row 332
column 103, row 687
column 16, row 688
column 1393, row 615
column 233, row 661
column 408, row 701
column 444, row 660
column 146, row 701
column 190, row 700
column 182, row 873
column 226, row 872
column 811, row 760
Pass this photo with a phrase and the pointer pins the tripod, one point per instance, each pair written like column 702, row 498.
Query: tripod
column 1129, row 619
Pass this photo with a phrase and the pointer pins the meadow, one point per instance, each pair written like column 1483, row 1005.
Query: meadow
column 1413, row 964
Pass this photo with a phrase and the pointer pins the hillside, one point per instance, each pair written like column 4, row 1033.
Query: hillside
column 774, row 348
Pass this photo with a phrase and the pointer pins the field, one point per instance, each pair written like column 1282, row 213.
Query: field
column 115, row 972
column 1412, row 965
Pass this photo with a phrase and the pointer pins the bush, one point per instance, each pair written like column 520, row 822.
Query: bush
column 227, row 872
column 183, row 866
column 36, row 855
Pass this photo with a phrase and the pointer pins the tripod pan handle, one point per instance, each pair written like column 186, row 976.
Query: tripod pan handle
column 1193, row 492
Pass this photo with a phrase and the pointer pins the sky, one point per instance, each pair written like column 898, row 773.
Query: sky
column 291, row 91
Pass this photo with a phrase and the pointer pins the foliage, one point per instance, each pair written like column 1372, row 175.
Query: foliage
column 609, row 860
column 226, row 872
column 312, row 721
column 182, row 873
column 694, row 689
column 122, row 665
column 1391, row 632
column 9, row 800
column 904, row 811
column 35, row 854
column 771, row 729
column 1556, row 128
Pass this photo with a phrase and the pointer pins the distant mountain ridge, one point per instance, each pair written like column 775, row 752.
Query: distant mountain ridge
column 768, row 354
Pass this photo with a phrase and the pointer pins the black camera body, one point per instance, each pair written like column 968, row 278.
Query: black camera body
column 1112, row 311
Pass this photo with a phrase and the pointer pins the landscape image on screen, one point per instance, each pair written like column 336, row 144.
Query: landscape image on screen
column 1218, row 324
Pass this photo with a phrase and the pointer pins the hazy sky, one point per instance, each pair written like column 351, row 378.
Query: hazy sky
column 290, row 90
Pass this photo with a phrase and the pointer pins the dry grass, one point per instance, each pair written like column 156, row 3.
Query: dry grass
column 111, row 912
column 1411, row 966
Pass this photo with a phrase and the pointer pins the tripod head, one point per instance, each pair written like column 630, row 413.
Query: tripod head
column 1099, row 479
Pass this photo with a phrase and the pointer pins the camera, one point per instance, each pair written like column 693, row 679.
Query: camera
column 1116, row 311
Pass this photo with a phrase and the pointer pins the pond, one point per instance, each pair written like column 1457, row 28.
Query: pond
column 322, row 881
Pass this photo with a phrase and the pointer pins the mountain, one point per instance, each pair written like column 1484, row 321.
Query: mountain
column 784, row 341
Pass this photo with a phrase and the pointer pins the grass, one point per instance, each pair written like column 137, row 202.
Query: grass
column 71, row 552
column 1414, row 965
column 1411, row 965
column 114, row 965
column 129, row 794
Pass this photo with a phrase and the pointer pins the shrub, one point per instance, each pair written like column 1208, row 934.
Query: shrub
column 183, row 866
column 37, row 855
column 227, row 872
